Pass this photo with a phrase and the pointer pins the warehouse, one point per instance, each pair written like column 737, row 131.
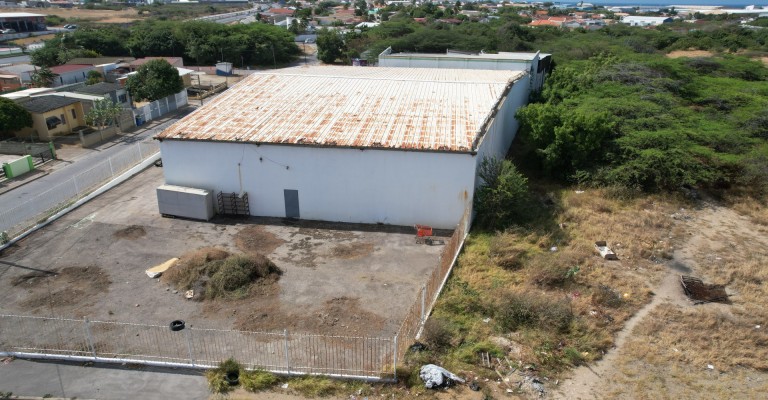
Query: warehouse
column 361, row 145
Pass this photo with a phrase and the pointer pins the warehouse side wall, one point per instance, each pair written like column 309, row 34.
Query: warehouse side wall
column 333, row 184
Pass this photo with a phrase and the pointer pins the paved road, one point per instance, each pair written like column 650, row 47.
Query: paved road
column 65, row 170
column 73, row 380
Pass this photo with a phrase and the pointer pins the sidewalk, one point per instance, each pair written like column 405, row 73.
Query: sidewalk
column 43, row 379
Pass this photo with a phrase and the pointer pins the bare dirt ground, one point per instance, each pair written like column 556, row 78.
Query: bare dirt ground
column 337, row 278
column 101, row 16
column 689, row 53
column 674, row 349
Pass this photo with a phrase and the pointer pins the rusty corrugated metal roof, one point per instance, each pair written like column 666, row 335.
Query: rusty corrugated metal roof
column 396, row 108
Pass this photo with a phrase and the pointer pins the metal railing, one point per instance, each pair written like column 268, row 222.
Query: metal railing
column 279, row 352
column 18, row 219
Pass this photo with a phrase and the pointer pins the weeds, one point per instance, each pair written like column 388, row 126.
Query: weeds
column 314, row 386
column 258, row 380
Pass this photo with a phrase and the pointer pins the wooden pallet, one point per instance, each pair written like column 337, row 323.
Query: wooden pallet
column 701, row 292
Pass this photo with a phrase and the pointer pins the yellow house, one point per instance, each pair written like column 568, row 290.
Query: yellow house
column 52, row 116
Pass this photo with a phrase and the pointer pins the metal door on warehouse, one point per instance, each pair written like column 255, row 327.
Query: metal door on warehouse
column 291, row 203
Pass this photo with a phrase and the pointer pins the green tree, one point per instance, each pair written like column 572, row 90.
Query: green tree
column 13, row 117
column 94, row 77
column 330, row 46
column 43, row 77
column 502, row 197
column 154, row 80
column 103, row 113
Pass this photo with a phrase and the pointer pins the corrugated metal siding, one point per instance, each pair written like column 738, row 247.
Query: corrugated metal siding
column 424, row 109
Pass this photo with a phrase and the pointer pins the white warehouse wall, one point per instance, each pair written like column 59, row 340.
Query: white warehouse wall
column 502, row 131
column 334, row 184
column 422, row 61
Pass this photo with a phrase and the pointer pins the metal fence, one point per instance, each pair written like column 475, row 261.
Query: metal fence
column 33, row 210
column 280, row 352
column 158, row 108
column 417, row 314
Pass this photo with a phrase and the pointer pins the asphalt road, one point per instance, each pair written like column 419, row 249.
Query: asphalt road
column 23, row 195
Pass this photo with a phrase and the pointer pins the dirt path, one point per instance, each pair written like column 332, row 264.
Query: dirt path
column 712, row 229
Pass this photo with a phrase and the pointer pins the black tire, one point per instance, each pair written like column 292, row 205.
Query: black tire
column 159, row 163
column 233, row 378
column 177, row 325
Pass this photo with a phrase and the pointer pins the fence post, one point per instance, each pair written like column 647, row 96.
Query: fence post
column 141, row 156
column 88, row 337
column 394, row 360
column 110, row 166
column 285, row 349
column 188, row 335
column 423, row 302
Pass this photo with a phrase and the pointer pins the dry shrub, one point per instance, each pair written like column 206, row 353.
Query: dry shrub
column 190, row 267
column 526, row 309
column 754, row 209
column 233, row 276
column 437, row 333
column 606, row 297
column 510, row 250
column 214, row 273
column 551, row 269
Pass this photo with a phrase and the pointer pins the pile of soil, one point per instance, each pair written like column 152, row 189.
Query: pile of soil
column 215, row 273
column 132, row 232
column 256, row 239
column 63, row 287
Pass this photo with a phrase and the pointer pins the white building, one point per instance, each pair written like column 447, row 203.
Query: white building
column 536, row 64
column 361, row 145
column 636, row 20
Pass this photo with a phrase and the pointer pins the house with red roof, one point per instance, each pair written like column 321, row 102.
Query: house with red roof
column 68, row 74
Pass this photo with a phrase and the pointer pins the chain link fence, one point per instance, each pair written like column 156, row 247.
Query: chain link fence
column 37, row 209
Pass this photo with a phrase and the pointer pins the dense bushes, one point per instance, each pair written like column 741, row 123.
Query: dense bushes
column 650, row 122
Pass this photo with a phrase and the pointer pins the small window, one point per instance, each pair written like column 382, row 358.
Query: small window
column 122, row 98
column 74, row 114
column 63, row 119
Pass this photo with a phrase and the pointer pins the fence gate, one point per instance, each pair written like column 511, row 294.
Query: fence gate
column 233, row 204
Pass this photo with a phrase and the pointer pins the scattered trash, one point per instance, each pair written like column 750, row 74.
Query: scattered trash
column 435, row 377
column 284, row 386
column 7, row 360
column 701, row 292
column 189, row 294
column 474, row 386
column 602, row 247
column 579, row 191
column 418, row 346
column 553, row 249
column 757, row 326
column 486, row 320
column 137, row 304
column 710, row 366
column 158, row 270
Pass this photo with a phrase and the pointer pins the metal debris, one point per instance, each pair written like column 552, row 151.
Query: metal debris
column 701, row 292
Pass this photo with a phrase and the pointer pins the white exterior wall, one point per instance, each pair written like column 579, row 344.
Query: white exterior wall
column 502, row 131
column 334, row 184
column 72, row 77
column 455, row 63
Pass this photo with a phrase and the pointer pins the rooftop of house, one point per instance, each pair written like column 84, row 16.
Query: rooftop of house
column 63, row 69
column 175, row 61
column 384, row 108
column 99, row 60
column 41, row 104
column 100, row 88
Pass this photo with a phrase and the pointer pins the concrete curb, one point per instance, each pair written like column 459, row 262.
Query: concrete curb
column 109, row 185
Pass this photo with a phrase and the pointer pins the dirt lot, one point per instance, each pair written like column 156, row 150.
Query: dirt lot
column 337, row 278
column 102, row 16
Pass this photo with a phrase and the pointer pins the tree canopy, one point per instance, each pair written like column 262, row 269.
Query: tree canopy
column 154, row 80
column 13, row 117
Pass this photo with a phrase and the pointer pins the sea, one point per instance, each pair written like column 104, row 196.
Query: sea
column 656, row 3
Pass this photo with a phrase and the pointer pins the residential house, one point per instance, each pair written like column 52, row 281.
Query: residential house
column 9, row 82
column 22, row 71
column 52, row 116
column 68, row 74
column 107, row 90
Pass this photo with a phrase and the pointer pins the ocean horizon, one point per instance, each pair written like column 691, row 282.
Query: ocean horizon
column 657, row 3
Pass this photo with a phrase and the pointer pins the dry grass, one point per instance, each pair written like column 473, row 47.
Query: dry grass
column 752, row 208
column 546, row 288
